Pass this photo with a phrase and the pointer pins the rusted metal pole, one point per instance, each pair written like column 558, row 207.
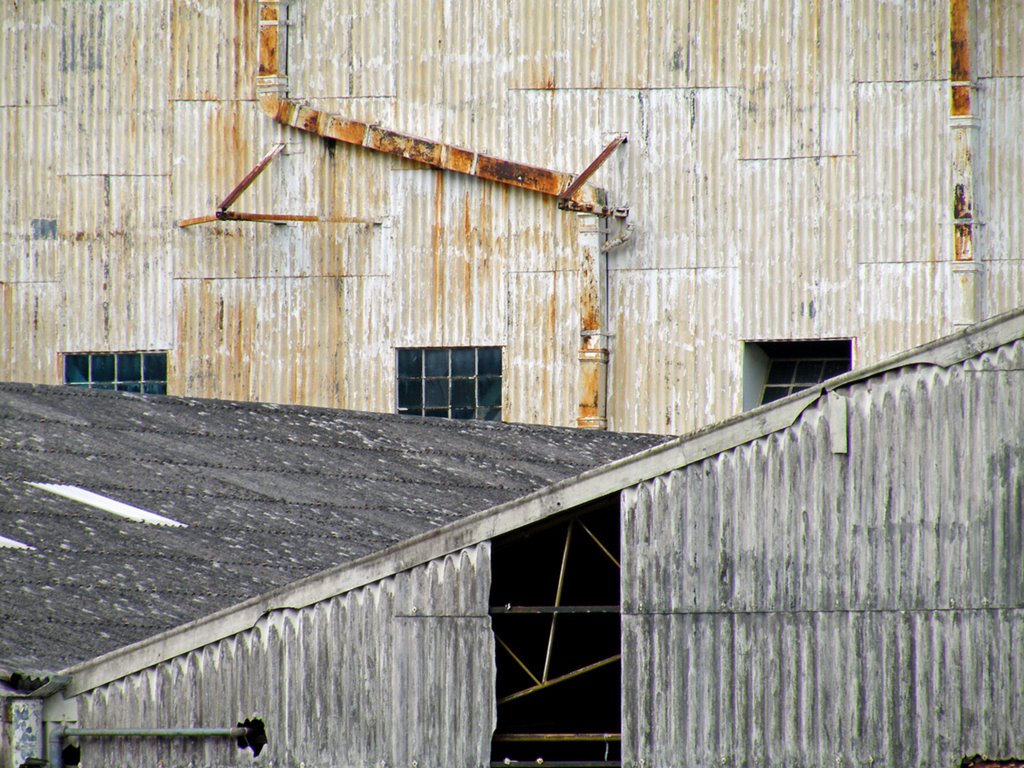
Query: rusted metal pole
column 967, row 268
column 593, row 352
column 249, row 178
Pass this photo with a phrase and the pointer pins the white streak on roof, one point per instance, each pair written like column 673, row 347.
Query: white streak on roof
column 108, row 505
column 12, row 544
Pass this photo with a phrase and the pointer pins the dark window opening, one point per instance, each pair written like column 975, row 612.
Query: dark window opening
column 556, row 619
column 775, row 369
column 453, row 382
column 144, row 372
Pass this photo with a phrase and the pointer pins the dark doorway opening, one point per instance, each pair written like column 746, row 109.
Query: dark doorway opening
column 555, row 613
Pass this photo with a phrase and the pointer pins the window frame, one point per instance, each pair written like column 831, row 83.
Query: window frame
column 428, row 378
column 833, row 357
column 136, row 371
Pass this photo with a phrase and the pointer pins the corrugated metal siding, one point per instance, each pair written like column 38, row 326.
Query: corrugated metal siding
column 844, row 231
column 398, row 671
column 1001, row 163
column 746, row 576
column 113, row 91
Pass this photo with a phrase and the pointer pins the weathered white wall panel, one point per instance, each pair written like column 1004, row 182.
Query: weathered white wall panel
column 746, row 576
column 798, row 255
column 114, row 93
column 543, row 325
column 411, row 678
column 289, row 339
column 904, row 197
column 1002, row 159
column 212, row 50
column 31, row 33
column 26, row 314
column 900, row 40
column 450, row 288
column 905, row 303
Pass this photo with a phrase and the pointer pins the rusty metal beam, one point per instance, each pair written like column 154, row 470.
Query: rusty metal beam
column 268, row 217
column 250, row 177
column 197, row 220
column 573, row 193
column 589, row 171
column 448, row 157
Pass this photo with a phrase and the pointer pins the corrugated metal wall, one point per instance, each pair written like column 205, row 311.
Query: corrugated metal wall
column 788, row 171
column 400, row 672
column 786, row 605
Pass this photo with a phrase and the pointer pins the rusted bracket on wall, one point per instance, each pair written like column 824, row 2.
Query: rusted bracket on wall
column 223, row 214
column 565, row 200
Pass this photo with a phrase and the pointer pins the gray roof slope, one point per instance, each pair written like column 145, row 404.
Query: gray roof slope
column 270, row 494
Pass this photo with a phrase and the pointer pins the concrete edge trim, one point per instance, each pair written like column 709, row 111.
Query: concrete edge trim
column 554, row 499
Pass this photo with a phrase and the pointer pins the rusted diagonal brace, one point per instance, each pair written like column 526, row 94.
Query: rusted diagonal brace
column 250, row 177
column 590, row 170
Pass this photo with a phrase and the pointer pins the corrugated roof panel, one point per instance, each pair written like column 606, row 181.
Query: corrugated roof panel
column 107, row 504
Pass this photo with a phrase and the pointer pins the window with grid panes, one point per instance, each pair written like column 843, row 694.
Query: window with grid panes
column 144, row 372
column 451, row 382
column 792, row 366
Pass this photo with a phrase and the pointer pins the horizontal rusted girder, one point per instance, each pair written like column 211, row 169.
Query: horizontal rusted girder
column 577, row 197
column 274, row 218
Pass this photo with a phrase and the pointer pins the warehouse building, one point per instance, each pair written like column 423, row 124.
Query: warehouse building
column 620, row 215
column 834, row 578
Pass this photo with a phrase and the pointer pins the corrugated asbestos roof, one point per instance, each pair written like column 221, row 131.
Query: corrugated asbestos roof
column 269, row 495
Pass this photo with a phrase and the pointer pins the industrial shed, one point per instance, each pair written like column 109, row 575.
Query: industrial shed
column 763, row 172
column 833, row 579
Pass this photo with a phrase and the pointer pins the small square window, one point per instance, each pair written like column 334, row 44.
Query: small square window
column 776, row 369
column 456, row 382
column 123, row 371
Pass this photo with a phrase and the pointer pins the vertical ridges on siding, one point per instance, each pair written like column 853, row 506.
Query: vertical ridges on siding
column 779, row 593
column 379, row 705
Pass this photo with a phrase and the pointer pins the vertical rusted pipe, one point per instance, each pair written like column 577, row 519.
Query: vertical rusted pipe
column 593, row 354
column 963, row 141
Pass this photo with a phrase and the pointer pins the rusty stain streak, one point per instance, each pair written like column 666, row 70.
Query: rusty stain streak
column 959, row 40
column 961, row 100
column 963, row 242
column 961, row 203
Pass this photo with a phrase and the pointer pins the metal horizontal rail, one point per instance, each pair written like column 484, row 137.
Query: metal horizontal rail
column 533, row 609
column 169, row 733
column 559, row 737
column 560, row 763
